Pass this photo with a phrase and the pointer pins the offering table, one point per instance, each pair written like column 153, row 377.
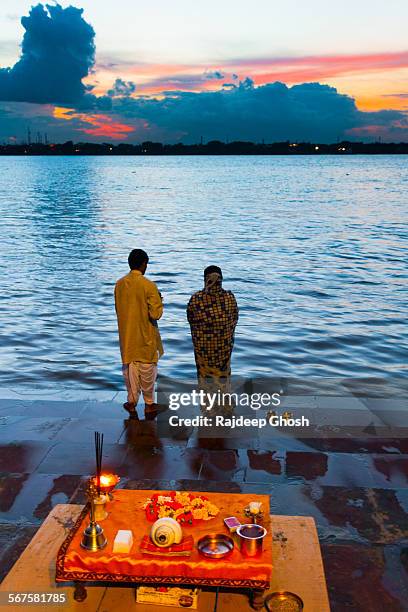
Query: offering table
column 295, row 550
column 74, row 564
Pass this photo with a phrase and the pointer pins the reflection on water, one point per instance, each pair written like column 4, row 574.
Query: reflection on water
column 311, row 247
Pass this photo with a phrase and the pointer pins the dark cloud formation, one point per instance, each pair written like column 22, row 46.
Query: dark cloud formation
column 214, row 75
column 58, row 51
column 122, row 88
column 272, row 112
column 246, row 83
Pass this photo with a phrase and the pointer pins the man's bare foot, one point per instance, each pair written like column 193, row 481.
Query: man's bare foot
column 154, row 408
column 151, row 408
column 130, row 408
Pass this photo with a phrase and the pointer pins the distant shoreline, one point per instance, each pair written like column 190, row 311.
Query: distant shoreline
column 213, row 147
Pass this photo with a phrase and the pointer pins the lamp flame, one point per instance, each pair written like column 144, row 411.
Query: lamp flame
column 108, row 482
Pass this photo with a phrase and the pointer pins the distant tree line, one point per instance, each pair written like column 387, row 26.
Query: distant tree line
column 213, row 147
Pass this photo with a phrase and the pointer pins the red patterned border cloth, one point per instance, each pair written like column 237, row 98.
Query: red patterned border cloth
column 126, row 512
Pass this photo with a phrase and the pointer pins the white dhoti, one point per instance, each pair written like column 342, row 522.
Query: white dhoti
column 140, row 378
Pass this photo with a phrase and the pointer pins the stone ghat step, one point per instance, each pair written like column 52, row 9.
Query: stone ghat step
column 385, row 409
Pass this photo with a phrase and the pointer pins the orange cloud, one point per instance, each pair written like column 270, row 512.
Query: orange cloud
column 101, row 125
column 59, row 112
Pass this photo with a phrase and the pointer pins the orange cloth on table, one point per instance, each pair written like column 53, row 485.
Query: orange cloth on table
column 126, row 512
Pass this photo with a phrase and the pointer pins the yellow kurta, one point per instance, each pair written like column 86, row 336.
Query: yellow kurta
column 138, row 307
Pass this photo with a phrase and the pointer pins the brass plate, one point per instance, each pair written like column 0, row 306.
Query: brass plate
column 215, row 545
column 283, row 601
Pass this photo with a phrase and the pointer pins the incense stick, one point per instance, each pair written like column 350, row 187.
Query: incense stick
column 98, row 455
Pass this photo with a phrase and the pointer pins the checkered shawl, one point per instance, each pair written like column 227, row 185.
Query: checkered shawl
column 213, row 315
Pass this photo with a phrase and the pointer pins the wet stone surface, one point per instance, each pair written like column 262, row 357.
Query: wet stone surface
column 375, row 515
column 356, row 489
column 361, row 579
column 13, row 540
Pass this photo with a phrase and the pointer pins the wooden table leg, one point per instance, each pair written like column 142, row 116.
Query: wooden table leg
column 257, row 598
column 80, row 593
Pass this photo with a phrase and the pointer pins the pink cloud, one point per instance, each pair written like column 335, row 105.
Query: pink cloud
column 103, row 125
column 155, row 78
column 301, row 69
column 100, row 124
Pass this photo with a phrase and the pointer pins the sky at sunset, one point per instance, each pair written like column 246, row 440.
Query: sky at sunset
column 182, row 70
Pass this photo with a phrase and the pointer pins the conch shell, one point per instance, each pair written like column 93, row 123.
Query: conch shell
column 165, row 532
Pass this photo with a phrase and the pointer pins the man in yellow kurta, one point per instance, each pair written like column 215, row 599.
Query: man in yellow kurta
column 139, row 306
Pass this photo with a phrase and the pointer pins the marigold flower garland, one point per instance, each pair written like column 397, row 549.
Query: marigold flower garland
column 185, row 508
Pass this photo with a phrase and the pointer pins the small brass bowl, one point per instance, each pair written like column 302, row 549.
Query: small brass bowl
column 283, row 601
column 215, row 545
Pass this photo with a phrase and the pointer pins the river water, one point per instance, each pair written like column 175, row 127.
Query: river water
column 312, row 247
